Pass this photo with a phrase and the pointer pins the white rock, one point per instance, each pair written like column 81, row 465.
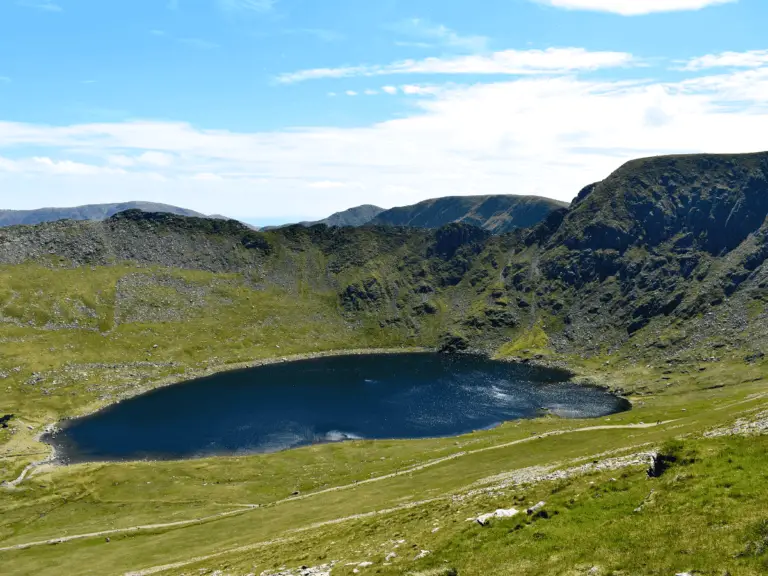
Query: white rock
column 422, row 554
column 437, row 529
column 365, row 564
column 500, row 513
column 390, row 556
column 535, row 508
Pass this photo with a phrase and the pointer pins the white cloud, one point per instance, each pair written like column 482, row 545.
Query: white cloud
column 120, row 160
column 249, row 5
column 48, row 166
column 350, row 93
column 156, row 158
column 536, row 135
column 750, row 59
column 207, row 176
column 438, row 35
column 420, row 90
column 634, row 7
column 507, row 62
column 392, row 90
column 42, row 5
column 331, row 185
column 370, row 92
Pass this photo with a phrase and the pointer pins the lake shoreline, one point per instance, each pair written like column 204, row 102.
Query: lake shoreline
column 196, row 374
column 485, row 388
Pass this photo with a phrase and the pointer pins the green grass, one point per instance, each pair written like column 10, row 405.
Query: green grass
column 70, row 345
column 528, row 343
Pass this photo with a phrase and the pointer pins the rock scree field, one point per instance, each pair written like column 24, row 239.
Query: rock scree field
column 652, row 283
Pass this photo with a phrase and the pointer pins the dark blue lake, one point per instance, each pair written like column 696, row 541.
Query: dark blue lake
column 292, row 404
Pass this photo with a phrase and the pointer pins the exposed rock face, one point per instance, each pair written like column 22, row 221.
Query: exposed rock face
column 136, row 236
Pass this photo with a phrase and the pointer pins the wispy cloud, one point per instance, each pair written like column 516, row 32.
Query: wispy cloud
column 42, row 5
column 198, row 43
column 173, row 5
column 428, row 34
column 410, row 44
column 633, row 7
column 5, row 80
column 249, row 5
column 508, row 62
column 88, row 82
column 749, row 59
column 534, row 135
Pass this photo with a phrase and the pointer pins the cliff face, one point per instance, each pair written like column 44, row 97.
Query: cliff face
column 667, row 256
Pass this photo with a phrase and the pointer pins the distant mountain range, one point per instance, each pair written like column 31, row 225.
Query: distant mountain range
column 89, row 212
column 497, row 214
column 357, row 216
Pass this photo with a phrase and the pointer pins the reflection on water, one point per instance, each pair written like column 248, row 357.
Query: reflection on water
column 326, row 400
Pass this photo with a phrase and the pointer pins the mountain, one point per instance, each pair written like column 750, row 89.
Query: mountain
column 653, row 283
column 497, row 214
column 88, row 212
column 653, row 254
column 356, row 216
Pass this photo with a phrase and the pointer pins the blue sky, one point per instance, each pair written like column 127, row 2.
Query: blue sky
column 275, row 110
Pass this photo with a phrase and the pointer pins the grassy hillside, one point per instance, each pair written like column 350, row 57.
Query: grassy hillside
column 652, row 283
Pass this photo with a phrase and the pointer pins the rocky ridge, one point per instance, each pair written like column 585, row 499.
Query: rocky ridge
column 666, row 258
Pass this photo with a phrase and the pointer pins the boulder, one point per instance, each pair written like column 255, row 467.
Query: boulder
column 484, row 519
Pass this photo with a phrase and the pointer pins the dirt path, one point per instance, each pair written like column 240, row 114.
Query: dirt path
column 248, row 507
column 530, row 475
column 24, row 473
column 176, row 524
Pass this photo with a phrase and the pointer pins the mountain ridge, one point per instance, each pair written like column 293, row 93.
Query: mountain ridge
column 648, row 246
column 496, row 213
column 89, row 212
